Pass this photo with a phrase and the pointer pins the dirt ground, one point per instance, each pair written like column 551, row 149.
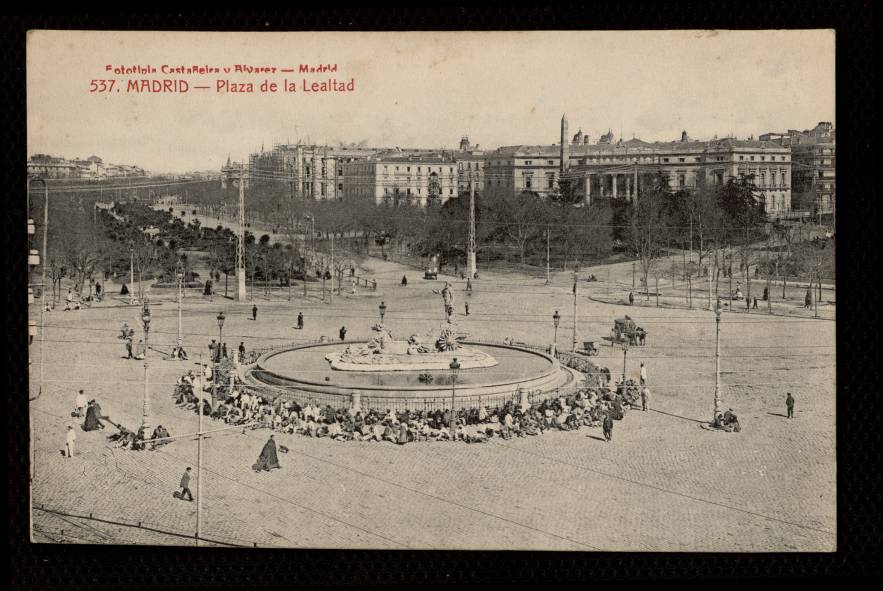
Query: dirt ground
column 663, row 484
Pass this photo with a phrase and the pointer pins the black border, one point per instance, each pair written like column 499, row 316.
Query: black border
column 859, row 419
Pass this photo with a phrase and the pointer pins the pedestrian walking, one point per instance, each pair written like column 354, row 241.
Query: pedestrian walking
column 300, row 320
column 80, row 403
column 70, row 442
column 643, row 375
column 241, row 351
column 254, row 312
column 607, row 426
column 755, row 303
column 469, row 284
column 645, row 398
column 807, row 300
column 342, row 333
column 129, row 348
column 467, row 308
column 789, row 404
column 631, row 298
column 185, row 485
column 224, row 350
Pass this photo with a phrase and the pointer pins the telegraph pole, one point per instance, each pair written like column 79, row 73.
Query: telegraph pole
column 470, row 249
column 333, row 273
column 574, row 311
column 240, row 247
column 548, row 268
column 717, row 362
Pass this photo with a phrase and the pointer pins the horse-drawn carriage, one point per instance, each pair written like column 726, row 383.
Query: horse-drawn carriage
column 591, row 348
column 626, row 330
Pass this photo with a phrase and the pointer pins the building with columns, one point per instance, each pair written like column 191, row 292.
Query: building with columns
column 311, row 171
column 618, row 169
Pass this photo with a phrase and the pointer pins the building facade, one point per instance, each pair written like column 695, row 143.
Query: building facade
column 618, row 169
column 92, row 168
column 399, row 179
column 312, row 171
column 814, row 156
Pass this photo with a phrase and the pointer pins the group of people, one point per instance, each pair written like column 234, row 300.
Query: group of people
column 239, row 405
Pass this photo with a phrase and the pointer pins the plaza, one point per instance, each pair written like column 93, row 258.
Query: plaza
column 664, row 483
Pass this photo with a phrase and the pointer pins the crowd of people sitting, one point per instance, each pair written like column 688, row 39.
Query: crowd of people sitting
column 242, row 405
column 727, row 421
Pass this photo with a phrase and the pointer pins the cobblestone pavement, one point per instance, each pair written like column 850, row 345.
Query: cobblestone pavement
column 663, row 483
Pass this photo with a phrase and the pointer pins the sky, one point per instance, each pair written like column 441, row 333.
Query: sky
column 421, row 89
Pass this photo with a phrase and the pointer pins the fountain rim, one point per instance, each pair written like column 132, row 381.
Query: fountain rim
column 553, row 367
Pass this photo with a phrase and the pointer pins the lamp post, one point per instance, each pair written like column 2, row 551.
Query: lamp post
column 382, row 308
column 625, row 352
column 131, row 272
column 717, row 361
column 575, row 276
column 180, row 275
column 455, row 367
column 216, row 360
column 221, row 319
column 556, row 319
column 145, row 409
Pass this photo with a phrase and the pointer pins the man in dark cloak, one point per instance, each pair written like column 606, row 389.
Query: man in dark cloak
column 93, row 416
column 607, row 427
column 268, row 458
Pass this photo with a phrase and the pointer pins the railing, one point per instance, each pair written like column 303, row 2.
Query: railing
column 596, row 375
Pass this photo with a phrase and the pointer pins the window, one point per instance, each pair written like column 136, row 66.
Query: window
column 682, row 180
column 528, row 162
column 550, row 180
column 752, row 158
column 528, row 181
column 682, row 159
column 741, row 157
column 763, row 158
column 551, row 162
column 665, row 159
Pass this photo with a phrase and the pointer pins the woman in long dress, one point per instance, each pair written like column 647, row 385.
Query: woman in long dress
column 268, row 458
column 93, row 416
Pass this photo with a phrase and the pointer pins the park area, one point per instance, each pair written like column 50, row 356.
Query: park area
column 665, row 482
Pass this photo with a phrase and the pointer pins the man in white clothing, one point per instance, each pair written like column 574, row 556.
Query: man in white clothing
column 70, row 442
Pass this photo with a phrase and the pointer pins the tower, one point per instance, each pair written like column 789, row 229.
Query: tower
column 240, row 243
column 565, row 144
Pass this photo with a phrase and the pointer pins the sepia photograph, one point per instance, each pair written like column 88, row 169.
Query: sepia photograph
column 489, row 290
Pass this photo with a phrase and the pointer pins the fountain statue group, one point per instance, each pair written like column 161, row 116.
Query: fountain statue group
column 383, row 352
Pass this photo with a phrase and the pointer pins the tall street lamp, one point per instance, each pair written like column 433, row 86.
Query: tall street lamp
column 717, row 361
column 180, row 275
column 216, row 360
column 145, row 409
column 625, row 352
column 455, row 367
column 221, row 319
column 382, row 308
column 556, row 319
column 131, row 272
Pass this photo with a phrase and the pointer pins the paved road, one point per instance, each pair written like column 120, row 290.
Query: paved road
column 664, row 483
